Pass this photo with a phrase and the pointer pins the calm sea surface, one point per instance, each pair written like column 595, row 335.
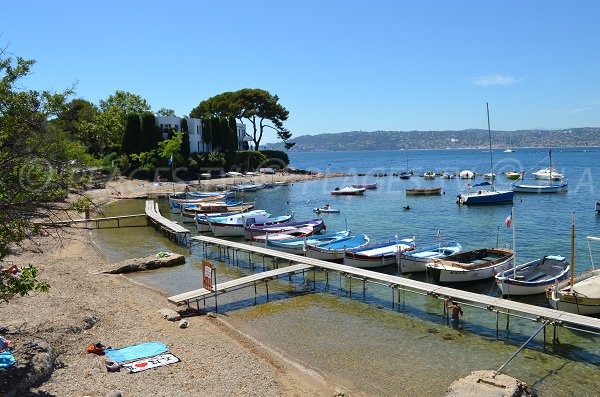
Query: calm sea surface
column 370, row 344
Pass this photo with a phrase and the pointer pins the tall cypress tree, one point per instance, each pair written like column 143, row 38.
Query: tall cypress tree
column 148, row 135
column 132, row 135
column 185, row 142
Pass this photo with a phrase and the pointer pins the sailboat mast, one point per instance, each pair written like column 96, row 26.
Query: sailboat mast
column 490, row 139
column 512, row 219
column 550, row 158
column 572, row 250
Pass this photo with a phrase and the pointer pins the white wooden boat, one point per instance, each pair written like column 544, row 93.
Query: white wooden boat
column 466, row 174
column 552, row 187
column 202, row 220
column 176, row 202
column 378, row 255
column 533, row 277
column 472, row 265
column 489, row 175
column 233, row 225
column 548, row 174
column 348, row 191
column 581, row 293
column 429, row 175
column 326, row 210
column 416, row 260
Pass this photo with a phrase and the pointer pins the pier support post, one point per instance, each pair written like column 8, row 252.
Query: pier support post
column 364, row 280
column 267, row 287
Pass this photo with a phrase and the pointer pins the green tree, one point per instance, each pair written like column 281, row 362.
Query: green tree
column 150, row 135
column 259, row 107
column 35, row 167
column 165, row 112
column 185, row 140
column 117, row 107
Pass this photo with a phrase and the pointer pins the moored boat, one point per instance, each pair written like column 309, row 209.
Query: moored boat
column 416, row 260
column 233, row 225
column 466, row 174
column 251, row 231
column 472, row 265
column 513, row 175
column 335, row 250
column 533, row 277
column 348, row 191
column 176, row 202
column 429, row 191
column 365, row 185
column 215, row 208
column 298, row 245
column 581, row 293
column 378, row 255
column 326, row 209
column 429, row 175
column 292, row 233
column 552, row 187
column 202, row 220
column 485, row 196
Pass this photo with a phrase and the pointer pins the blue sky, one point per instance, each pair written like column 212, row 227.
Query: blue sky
column 335, row 65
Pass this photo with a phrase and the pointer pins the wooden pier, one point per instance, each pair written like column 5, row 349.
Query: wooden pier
column 494, row 304
column 232, row 285
column 97, row 221
column 174, row 231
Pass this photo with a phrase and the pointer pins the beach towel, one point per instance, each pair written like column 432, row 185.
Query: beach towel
column 152, row 362
column 136, row 352
column 6, row 359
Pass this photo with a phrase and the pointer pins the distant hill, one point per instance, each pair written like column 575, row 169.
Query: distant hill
column 473, row 138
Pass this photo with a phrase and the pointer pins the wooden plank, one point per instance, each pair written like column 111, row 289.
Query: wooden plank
column 153, row 212
column 237, row 283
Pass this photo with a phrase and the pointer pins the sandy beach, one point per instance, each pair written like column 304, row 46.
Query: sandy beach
column 53, row 330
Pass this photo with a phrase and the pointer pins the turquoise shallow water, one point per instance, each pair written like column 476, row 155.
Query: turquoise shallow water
column 367, row 345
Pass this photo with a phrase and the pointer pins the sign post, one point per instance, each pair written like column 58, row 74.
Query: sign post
column 209, row 279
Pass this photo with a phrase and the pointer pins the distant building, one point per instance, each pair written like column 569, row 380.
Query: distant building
column 197, row 145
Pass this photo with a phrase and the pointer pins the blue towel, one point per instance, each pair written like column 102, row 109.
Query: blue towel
column 136, row 352
column 6, row 359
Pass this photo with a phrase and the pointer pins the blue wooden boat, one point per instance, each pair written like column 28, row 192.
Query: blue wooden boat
column 299, row 246
column 202, row 221
column 335, row 250
column 533, row 277
column 378, row 255
column 416, row 260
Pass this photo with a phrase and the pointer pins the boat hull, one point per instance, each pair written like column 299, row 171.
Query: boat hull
column 555, row 188
column 451, row 271
column 485, row 197
column 560, row 297
column 416, row 261
column 436, row 191
column 379, row 255
column 532, row 278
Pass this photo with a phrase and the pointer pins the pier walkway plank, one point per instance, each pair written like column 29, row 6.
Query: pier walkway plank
column 153, row 212
column 402, row 282
column 237, row 283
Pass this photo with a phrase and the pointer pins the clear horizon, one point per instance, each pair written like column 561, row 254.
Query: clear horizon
column 336, row 66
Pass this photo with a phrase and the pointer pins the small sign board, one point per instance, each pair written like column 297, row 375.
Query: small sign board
column 207, row 275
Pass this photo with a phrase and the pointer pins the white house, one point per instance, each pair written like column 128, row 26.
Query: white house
column 197, row 145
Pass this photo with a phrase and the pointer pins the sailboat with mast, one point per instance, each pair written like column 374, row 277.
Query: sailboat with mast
column 580, row 294
column 484, row 195
column 532, row 277
column 509, row 149
column 556, row 182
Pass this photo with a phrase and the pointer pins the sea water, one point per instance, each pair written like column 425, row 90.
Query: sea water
column 370, row 341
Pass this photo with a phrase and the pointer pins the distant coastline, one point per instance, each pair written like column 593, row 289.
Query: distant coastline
column 585, row 137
